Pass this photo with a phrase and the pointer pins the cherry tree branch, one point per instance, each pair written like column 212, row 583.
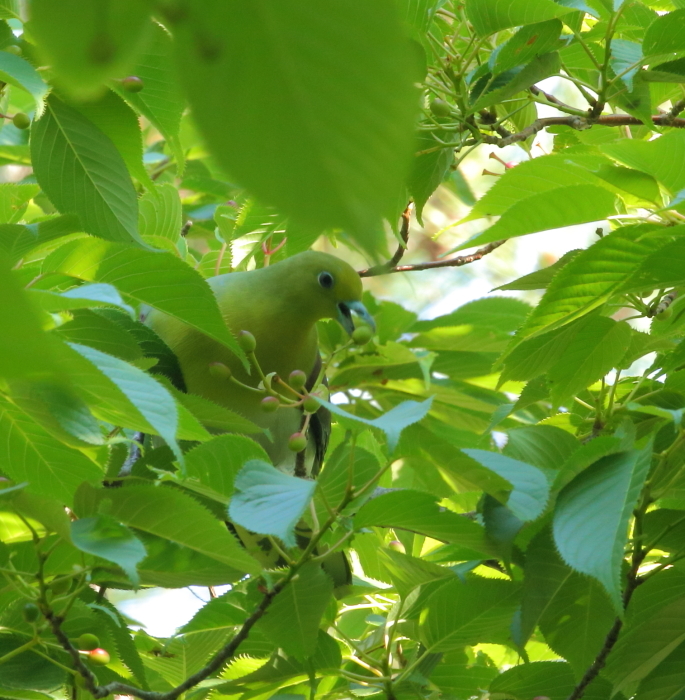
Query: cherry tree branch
column 458, row 261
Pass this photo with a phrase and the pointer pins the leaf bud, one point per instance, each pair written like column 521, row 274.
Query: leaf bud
column 270, row 404
column 297, row 379
column 297, row 442
column 219, row 370
column 247, row 341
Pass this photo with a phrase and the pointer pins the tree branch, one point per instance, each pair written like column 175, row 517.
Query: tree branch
column 436, row 264
column 399, row 253
column 582, row 123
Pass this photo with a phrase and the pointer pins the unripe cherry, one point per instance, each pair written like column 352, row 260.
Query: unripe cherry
column 99, row 657
column 310, row 404
column 396, row 546
column 665, row 314
column 30, row 612
column 247, row 341
column 87, row 642
column 270, row 404
column 219, row 370
column 362, row 335
column 132, row 84
column 21, row 120
column 440, row 108
column 297, row 379
column 297, row 442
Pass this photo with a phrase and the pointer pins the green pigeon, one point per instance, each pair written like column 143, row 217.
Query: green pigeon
column 279, row 305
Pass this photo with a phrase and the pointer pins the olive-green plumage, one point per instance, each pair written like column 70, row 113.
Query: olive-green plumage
column 280, row 306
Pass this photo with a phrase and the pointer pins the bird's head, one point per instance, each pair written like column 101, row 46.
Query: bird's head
column 330, row 287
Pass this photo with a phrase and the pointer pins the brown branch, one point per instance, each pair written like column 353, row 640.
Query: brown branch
column 436, row 264
column 219, row 659
column 581, row 123
column 401, row 249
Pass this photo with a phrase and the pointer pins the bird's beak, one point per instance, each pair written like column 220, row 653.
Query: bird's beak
column 345, row 311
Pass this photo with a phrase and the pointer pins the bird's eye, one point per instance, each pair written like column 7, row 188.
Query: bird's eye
column 326, row 280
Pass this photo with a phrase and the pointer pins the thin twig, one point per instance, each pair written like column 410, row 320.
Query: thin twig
column 404, row 235
column 450, row 262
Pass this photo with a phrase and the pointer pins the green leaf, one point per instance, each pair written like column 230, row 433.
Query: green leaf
column 104, row 537
column 14, row 200
column 269, row 502
column 85, row 47
column 29, row 453
column 87, row 296
column 471, row 612
column 28, row 671
column 591, row 278
column 418, row 512
column 89, row 328
column 528, row 42
column 501, row 314
column 530, row 490
column 158, row 279
column 543, row 446
column 26, row 350
column 572, row 610
column 16, row 241
column 408, row 573
column 161, row 99
column 515, row 80
column 16, row 71
column 664, row 35
column 662, row 268
column 429, row 169
column 552, row 679
column 82, row 173
column 654, row 627
column 148, row 396
column 662, row 158
column 667, row 680
column 119, row 122
column 597, row 348
column 489, row 16
column 560, row 207
column 160, row 213
column 215, row 463
column 167, row 512
column 391, row 423
column 275, row 87
column 592, row 516
column 292, row 621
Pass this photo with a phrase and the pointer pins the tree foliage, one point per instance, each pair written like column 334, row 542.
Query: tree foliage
column 528, row 535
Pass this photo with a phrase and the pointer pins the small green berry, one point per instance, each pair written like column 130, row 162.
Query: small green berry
column 30, row 612
column 665, row 314
column 270, row 404
column 99, row 657
column 310, row 404
column 297, row 442
column 219, row 370
column 21, row 120
column 132, row 84
column 362, row 335
column 60, row 586
column 247, row 341
column 440, row 108
column 87, row 642
column 297, row 379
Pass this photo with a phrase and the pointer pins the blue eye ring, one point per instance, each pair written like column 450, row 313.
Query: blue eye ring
column 326, row 280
